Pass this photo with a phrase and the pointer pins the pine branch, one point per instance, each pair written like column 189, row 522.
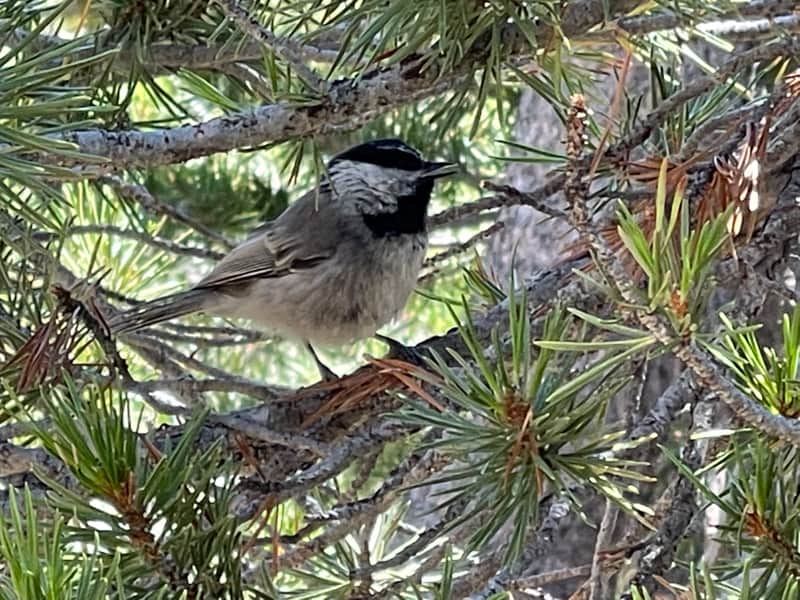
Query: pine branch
column 787, row 47
column 784, row 148
column 705, row 371
column 541, row 293
column 348, row 104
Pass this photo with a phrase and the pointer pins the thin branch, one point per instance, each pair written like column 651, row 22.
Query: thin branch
column 164, row 352
column 413, row 470
column 598, row 584
column 454, row 214
column 172, row 56
column 218, row 330
column 642, row 24
column 232, row 384
column 657, row 554
column 259, row 431
column 337, row 460
column 540, row 539
column 537, row 581
column 144, row 238
column 516, row 197
column 705, row 370
column 209, row 342
column 285, row 49
column 758, row 29
column 141, row 195
column 461, row 247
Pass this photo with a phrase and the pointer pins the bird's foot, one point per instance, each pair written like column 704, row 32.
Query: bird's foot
column 400, row 351
column 324, row 372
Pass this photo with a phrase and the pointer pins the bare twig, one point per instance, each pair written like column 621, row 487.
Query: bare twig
column 454, row 214
column 536, row 581
column 461, row 247
column 141, row 195
column 598, row 584
column 144, row 238
column 532, row 199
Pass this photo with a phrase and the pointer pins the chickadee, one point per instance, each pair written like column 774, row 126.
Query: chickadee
column 335, row 266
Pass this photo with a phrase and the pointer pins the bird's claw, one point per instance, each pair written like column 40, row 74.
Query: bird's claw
column 324, row 372
column 402, row 352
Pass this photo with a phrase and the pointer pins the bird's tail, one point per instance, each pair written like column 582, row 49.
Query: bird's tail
column 158, row 311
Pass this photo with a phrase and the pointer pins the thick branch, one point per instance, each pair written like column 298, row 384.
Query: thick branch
column 347, row 105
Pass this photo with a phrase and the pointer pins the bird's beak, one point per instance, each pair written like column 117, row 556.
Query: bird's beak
column 434, row 170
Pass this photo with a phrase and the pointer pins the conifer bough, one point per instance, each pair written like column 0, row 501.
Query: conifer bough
column 348, row 104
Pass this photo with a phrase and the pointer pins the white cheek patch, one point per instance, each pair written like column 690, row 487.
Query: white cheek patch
column 374, row 189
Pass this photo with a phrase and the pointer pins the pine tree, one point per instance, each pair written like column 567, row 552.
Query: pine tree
column 539, row 451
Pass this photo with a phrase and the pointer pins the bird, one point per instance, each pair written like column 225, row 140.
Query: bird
column 334, row 267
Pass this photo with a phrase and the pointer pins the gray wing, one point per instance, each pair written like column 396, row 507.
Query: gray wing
column 301, row 237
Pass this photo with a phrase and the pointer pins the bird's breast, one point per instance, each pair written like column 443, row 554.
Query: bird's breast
column 349, row 297
column 380, row 286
